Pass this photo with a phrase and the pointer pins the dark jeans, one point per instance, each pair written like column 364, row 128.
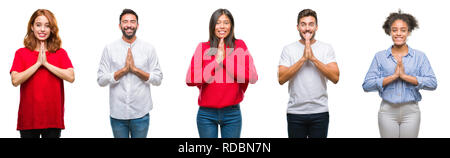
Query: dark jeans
column 308, row 125
column 37, row 133
column 228, row 118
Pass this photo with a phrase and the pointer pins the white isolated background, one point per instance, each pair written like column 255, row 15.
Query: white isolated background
column 175, row 27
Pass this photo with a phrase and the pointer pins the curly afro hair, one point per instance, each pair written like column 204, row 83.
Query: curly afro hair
column 407, row 18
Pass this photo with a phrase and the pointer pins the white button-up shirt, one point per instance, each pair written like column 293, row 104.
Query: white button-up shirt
column 130, row 96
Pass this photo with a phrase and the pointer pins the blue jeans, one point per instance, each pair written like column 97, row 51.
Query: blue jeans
column 137, row 128
column 228, row 118
column 308, row 125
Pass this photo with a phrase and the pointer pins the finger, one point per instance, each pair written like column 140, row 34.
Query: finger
column 221, row 42
column 42, row 46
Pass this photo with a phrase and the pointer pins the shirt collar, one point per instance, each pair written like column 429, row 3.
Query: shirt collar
column 411, row 52
column 128, row 44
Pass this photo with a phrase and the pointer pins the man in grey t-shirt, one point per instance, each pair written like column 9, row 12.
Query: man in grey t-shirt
column 307, row 64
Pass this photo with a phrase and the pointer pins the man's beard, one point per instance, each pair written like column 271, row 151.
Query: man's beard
column 129, row 36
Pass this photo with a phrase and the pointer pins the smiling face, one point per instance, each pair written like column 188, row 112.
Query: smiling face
column 128, row 25
column 223, row 26
column 307, row 27
column 399, row 32
column 41, row 28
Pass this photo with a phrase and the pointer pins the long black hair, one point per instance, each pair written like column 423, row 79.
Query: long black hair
column 213, row 39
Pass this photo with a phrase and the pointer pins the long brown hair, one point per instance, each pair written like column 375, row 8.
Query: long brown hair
column 53, row 41
column 214, row 41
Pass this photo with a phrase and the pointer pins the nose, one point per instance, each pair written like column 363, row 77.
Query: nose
column 127, row 24
column 397, row 33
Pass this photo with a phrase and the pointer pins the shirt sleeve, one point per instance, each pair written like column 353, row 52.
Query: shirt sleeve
column 156, row 75
column 104, row 74
column 373, row 80
column 284, row 58
column 17, row 65
column 64, row 60
column 426, row 78
column 331, row 57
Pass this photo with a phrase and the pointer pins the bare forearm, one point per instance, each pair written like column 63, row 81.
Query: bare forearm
column 17, row 78
column 119, row 73
column 329, row 71
column 410, row 79
column 285, row 75
column 389, row 80
column 65, row 74
column 141, row 74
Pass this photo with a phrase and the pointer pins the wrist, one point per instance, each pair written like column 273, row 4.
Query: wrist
column 124, row 70
column 38, row 63
column 133, row 69
column 396, row 76
column 402, row 75
column 313, row 59
column 45, row 64
column 303, row 59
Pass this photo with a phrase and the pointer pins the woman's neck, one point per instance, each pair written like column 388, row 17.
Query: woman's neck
column 400, row 50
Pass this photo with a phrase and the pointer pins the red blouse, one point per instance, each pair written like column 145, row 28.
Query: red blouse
column 223, row 84
column 42, row 95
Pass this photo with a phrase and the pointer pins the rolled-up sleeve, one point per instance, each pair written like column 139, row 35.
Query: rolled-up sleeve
column 426, row 78
column 156, row 75
column 373, row 80
column 104, row 74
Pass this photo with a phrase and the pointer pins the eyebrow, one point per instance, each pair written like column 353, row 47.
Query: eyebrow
column 125, row 20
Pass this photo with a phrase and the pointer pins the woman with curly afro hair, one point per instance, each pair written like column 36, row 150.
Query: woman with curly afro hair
column 398, row 73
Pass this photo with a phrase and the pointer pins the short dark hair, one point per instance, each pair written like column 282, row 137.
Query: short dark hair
column 305, row 13
column 407, row 18
column 128, row 11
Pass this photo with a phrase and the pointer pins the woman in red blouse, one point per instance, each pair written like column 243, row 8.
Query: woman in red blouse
column 40, row 68
column 221, row 68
